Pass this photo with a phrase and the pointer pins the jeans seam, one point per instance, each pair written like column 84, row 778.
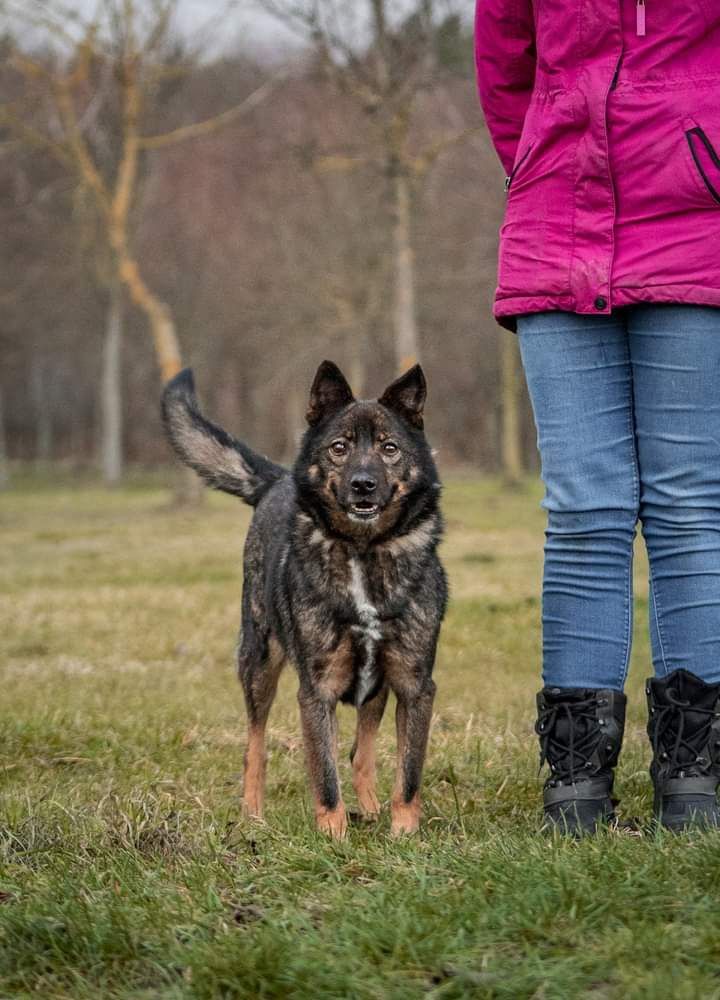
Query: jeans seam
column 657, row 616
column 628, row 620
column 636, row 503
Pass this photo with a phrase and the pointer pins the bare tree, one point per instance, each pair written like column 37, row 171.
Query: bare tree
column 271, row 243
column 111, row 450
column 385, row 67
column 4, row 466
column 122, row 56
column 40, row 391
column 511, row 443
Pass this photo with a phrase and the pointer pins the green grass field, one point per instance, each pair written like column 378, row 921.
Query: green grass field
column 126, row 869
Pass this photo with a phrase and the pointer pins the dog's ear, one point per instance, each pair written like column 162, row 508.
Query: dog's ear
column 330, row 392
column 406, row 396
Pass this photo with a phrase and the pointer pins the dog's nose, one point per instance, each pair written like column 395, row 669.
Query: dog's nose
column 363, row 484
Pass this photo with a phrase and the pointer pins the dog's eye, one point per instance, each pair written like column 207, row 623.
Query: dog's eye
column 390, row 448
column 339, row 448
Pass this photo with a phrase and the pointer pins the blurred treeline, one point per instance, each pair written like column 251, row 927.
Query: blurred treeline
column 162, row 205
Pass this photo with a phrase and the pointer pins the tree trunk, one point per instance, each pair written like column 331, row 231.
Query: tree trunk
column 407, row 341
column 511, row 451
column 111, row 432
column 295, row 416
column 4, row 466
column 189, row 490
column 43, row 417
column 162, row 327
column 356, row 373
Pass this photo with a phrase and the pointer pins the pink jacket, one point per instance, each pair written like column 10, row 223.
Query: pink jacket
column 606, row 116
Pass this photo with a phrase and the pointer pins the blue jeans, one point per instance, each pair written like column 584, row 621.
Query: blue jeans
column 627, row 409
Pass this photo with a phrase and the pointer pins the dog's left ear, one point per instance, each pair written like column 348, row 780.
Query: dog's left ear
column 330, row 392
column 407, row 395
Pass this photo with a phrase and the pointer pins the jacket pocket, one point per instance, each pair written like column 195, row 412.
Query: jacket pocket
column 517, row 166
column 705, row 158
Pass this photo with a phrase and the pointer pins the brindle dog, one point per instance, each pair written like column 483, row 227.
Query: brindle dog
column 341, row 577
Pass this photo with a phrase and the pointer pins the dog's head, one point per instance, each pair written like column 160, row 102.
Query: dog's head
column 365, row 467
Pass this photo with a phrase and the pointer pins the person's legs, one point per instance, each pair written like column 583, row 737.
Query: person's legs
column 580, row 382
column 675, row 355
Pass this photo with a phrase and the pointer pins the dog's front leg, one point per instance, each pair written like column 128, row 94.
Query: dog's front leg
column 412, row 717
column 362, row 755
column 319, row 724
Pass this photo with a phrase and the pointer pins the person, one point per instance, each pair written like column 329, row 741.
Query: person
column 606, row 117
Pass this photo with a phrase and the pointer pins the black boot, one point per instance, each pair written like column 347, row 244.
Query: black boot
column 581, row 731
column 684, row 729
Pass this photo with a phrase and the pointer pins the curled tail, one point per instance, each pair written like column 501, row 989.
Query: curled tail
column 220, row 460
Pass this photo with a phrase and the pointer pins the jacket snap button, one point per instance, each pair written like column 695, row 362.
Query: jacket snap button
column 601, row 302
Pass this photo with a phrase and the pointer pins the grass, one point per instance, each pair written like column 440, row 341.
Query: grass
column 126, row 869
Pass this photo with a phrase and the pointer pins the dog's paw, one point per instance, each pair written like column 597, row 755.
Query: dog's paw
column 333, row 822
column 399, row 830
column 252, row 808
column 405, row 818
column 368, row 804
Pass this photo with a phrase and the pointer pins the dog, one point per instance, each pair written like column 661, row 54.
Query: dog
column 341, row 577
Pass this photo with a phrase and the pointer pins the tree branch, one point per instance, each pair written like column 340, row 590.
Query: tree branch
column 85, row 166
column 127, row 168
column 427, row 158
column 33, row 137
column 340, row 164
column 216, row 122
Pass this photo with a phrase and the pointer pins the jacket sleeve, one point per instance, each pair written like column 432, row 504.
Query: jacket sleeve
column 505, row 61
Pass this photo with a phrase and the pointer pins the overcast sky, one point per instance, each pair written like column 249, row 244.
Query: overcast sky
column 247, row 24
column 247, row 20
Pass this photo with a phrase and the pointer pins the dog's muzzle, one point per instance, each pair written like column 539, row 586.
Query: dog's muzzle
column 364, row 510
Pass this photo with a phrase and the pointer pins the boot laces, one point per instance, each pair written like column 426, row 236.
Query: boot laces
column 568, row 757
column 671, row 738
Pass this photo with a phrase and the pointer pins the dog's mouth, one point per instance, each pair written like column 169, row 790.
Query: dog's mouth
column 364, row 510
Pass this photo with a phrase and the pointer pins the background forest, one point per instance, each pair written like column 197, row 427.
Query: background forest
column 172, row 198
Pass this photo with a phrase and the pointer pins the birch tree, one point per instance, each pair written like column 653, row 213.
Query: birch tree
column 123, row 54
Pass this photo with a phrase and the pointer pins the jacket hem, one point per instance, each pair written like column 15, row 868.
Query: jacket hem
column 507, row 310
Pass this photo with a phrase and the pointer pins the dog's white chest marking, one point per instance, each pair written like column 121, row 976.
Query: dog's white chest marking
column 369, row 629
column 367, row 612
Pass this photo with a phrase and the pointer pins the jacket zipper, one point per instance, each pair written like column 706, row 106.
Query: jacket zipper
column 511, row 176
column 640, row 17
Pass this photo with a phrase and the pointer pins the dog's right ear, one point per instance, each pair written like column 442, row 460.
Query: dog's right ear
column 330, row 392
column 406, row 396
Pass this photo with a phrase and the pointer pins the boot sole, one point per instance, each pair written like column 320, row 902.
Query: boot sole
column 569, row 823
column 695, row 815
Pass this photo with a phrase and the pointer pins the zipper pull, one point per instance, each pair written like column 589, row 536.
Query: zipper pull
column 640, row 17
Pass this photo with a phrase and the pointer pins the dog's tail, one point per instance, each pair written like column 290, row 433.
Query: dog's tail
column 220, row 460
